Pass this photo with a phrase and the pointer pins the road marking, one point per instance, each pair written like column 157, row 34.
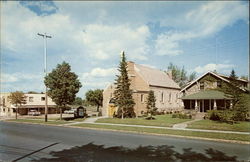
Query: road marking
column 34, row 152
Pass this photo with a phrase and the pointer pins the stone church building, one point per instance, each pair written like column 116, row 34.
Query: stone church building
column 143, row 79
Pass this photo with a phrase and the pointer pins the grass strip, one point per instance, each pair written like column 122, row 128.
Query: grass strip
column 215, row 125
column 161, row 120
column 54, row 122
column 212, row 135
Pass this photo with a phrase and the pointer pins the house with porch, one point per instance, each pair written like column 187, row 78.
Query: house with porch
column 201, row 95
column 143, row 79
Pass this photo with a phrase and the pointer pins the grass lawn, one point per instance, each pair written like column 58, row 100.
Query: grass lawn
column 37, row 121
column 214, row 125
column 161, row 120
column 225, row 136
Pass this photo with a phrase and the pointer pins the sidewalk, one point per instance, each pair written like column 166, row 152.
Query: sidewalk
column 88, row 121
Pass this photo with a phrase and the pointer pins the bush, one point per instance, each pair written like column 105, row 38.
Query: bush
column 182, row 116
column 227, row 116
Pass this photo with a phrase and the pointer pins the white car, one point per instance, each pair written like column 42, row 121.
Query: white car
column 71, row 111
column 34, row 113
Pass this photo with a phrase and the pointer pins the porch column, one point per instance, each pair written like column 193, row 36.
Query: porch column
column 209, row 104
column 231, row 104
column 215, row 105
column 203, row 105
column 196, row 106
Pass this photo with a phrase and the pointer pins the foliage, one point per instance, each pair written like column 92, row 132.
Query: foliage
column 221, row 115
column 151, row 109
column 179, row 75
column 181, row 116
column 123, row 94
column 232, row 89
column 62, row 85
column 95, row 97
column 17, row 98
column 78, row 101
column 242, row 108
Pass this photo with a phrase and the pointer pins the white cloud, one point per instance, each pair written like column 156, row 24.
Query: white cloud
column 16, row 77
column 204, row 21
column 100, row 72
column 103, row 41
column 224, row 68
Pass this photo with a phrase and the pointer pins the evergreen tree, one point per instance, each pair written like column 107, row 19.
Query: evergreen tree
column 17, row 98
column 123, row 94
column 232, row 89
column 151, row 109
column 62, row 85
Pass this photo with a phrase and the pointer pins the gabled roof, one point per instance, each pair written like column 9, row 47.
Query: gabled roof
column 155, row 77
column 220, row 76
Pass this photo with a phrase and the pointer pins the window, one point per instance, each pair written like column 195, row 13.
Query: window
column 176, row 97
column 219, row 84
column 201, row 85
column 142, row 98
column 162, row 97
column 169, row 100
column 42, row 98
column 31, row 99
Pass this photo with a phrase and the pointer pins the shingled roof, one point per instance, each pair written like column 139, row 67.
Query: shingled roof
column 155, row 77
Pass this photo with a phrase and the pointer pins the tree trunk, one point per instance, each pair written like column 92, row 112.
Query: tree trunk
column 16, row 113
column 97, row 108
column 60, row 113
column 122, row 113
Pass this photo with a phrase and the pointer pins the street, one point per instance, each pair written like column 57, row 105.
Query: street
column 29, row 142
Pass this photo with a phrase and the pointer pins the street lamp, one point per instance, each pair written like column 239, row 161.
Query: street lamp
column 45, row 71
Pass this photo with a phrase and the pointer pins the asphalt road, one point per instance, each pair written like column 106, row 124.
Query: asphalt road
column 27, row 142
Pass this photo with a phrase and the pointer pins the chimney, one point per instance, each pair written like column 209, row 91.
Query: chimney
column 169, row 73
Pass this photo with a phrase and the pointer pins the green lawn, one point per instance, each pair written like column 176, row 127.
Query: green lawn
column 214, row 125
column 37, row 121
column 225, row 136
column 161, row 120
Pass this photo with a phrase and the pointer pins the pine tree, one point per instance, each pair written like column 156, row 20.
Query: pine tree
column 151, row 109
column 233, row 89
column 123, row 94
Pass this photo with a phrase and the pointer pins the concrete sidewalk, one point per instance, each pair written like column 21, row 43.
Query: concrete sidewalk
column 184, row 124
column 88, row 120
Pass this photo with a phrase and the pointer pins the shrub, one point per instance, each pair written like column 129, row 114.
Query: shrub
column 227, row 116
column 182, row 116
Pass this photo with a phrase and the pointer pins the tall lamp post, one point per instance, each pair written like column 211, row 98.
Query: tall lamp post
column 45, row 36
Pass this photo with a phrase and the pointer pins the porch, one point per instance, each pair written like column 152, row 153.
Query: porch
column 206, row 100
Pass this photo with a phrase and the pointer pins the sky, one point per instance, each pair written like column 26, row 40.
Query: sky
column 199, row 36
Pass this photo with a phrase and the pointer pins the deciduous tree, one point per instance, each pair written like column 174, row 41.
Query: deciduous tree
column 95, row 97
column 17, row 98
column 62, row 85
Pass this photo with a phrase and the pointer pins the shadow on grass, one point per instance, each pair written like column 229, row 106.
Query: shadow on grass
column 92, row 152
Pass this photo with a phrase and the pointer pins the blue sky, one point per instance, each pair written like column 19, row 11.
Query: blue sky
column 200, row 36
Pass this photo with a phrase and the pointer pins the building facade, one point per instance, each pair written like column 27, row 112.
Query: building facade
column 33, row 102
column 143, row 79
column 202, row 94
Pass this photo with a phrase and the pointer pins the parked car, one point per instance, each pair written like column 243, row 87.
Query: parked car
column 71, row 111
column 34, row 113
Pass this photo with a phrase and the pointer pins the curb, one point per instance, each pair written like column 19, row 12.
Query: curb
column 135, row 132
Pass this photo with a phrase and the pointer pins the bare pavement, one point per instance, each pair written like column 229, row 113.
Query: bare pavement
column 29, row 142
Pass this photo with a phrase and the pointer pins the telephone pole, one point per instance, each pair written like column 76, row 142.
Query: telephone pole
column 45, row 36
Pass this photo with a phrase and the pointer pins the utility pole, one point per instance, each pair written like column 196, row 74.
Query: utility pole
column 45, row 36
